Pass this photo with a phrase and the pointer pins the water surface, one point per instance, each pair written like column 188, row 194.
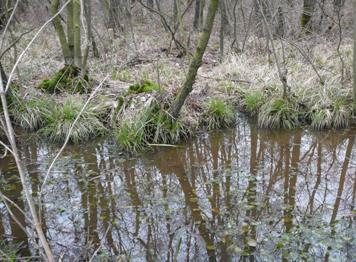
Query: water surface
column 240, row 194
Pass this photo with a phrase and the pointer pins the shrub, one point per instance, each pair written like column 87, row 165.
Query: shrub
column 166, row 130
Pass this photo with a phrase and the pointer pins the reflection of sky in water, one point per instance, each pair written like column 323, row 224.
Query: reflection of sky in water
column 136, row 203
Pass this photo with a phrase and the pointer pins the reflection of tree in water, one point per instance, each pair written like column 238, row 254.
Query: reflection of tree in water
column 11, row 188
column 243, row 194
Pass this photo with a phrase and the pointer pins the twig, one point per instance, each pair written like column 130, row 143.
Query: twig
column 14, row 43
column 221, row 79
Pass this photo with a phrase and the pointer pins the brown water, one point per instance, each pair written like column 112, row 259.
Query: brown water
column 234, row 195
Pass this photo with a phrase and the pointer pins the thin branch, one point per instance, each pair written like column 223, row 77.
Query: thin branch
column 14, row 43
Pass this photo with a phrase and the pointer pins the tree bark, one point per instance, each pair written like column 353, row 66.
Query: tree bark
column 354, row 61
column 223, row 26
column 60, row 32
column 76, row 29
column 90, row 38
column 196, row 14
column 197, row 60
column 70, row 27
column 308, row 11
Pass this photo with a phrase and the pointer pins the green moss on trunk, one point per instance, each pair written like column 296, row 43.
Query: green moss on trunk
column 68, row 79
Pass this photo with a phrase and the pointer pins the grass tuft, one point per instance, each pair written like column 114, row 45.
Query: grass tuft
column 336, row 116
column 253, row 101
column 278, row 113
column 219, row 114
column 61, row 117
column 342, row 113
column 29, row 113
column 166, row 130
column 152, row 125
column 131, row 136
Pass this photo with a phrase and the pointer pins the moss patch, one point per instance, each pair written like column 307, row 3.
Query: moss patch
column 68, row 79
column 144, row 86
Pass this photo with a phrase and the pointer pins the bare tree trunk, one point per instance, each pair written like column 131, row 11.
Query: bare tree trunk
column 70, row 29
column 90, row 39
column 196, row 14
column 280, row 30
column 223, row 26
column 258, row 17
column 201, row 15
column 354, row 61
column 4, row 10
column 60, row 32
column 76, row 29
column 197, row 60
column 308, row 11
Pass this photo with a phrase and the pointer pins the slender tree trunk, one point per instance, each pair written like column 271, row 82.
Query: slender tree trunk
column 196, row 14
column 201, row 15
column 175, row 12
column 60, row 32
column 76, row 29
column 197, row 60
column 90, row 39
column 223, row 26
column 259, row 15
column 70, row 29
column 354, row 62
column 280, row 30
column 308, row 11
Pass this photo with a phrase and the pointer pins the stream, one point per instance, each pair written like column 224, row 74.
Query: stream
column 239, row 194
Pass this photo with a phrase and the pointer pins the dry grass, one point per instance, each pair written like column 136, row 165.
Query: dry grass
column 127, row 65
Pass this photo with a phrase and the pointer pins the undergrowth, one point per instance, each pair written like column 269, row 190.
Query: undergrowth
column 253, row 101
column 151, row 125
column 219, row 114
column 60, row 118
column 337, row 115
column 9, row 252
column 68, row 79
column 278, row 113
column 29, row 113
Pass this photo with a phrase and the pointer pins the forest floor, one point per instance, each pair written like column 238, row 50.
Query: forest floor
column 319, row 77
